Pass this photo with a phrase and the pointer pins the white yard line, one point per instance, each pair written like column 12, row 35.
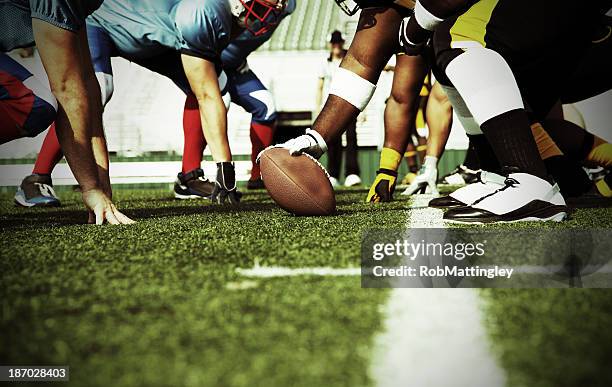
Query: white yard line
column 280, row 271
column 433, row 337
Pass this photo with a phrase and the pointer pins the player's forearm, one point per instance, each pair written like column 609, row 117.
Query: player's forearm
column 62, row 54
column 72, row 128
column 214, row 125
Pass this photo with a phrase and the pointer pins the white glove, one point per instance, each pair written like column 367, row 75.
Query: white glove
column 424, row 182
column 311, row 143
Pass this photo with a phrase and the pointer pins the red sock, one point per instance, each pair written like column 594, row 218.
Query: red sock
column 194, row 138
column 50, row 154
column 261, row 138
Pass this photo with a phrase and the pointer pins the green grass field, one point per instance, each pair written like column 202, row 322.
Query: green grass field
column 161, row 303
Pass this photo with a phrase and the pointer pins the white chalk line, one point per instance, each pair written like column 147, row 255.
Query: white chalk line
column 433, row 337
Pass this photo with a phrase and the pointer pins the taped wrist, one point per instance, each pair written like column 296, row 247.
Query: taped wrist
column 352, row 88
column 317, row 138
column 426, row 19
column 226, row 175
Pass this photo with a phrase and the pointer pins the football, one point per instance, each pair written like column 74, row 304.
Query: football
column 298, row 184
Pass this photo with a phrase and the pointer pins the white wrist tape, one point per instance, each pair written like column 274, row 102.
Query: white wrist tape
column 352, row 88
column 318, row 138
column 425, row 18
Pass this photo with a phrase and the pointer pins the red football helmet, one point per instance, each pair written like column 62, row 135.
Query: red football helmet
column 258, row 16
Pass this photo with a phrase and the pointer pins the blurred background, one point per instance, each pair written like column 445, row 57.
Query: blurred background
column 143, row 121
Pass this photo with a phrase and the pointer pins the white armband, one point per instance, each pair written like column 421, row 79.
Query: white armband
column 352, row 88
column 425, row 18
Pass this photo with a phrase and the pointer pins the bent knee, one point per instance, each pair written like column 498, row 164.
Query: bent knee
column 42, row 115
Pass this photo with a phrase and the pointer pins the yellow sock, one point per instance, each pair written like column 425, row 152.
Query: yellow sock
column 390, row 159
column 421, row 148
column 601, row 155
column 410, row 153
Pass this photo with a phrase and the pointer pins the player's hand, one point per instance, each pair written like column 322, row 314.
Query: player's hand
column 225, row 186
column 383, row 187
column 424, row 181
column 311, row 143
column 102, row 209
column 412, row 38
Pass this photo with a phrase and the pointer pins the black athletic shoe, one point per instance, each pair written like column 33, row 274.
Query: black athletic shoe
column 256, row 184
column 37, row 191
column 193, row 185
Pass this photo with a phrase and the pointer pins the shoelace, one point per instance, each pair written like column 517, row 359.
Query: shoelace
column 508, row 183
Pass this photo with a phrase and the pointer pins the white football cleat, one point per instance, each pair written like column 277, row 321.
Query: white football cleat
column 522, row 198
column 487, row 183
column 352, row 180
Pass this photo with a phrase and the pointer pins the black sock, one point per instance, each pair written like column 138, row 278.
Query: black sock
column 512, row 141
column 572, row 179
column 471, row 158
column 484, row 153
column 573, row 141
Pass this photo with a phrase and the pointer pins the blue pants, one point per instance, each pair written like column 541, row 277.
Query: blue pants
column 247, row 91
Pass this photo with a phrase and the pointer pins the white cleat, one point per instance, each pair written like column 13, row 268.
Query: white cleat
column 522, row 198
column 487, row 183
column 352, row 180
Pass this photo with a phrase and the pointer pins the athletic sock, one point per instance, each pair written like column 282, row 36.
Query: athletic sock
column 430, row 162
column 194, row 138
column 389, row 159
column 262, row 135
column 486, row 157
column 572, row 179
column 50, row 154
column 512, row 141
column 471, row 158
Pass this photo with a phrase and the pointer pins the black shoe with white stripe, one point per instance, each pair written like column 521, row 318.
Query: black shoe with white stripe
column 522, row 198
column 193, row 185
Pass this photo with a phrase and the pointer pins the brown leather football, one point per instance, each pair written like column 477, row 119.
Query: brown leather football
column 298, row 184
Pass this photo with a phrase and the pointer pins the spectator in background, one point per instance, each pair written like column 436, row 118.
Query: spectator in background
column 334, row 153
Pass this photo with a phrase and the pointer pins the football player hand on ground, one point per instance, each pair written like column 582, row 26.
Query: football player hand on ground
column 383, row 187
column 225, row 186
column 102, row 209
column 426, row 179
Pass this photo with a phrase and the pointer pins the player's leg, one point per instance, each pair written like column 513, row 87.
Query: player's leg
column 399, row 118
column 190, row 182
column 334, row 160
column 248, row 92
column 351, row 157
column 578, row 144
column 27, row 107
column 439, row 117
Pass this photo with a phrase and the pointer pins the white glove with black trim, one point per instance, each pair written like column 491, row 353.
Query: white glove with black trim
column 311, row 143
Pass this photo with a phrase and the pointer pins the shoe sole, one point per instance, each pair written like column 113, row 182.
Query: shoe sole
column 559, row 217
column 189, row 197
column 19, row 201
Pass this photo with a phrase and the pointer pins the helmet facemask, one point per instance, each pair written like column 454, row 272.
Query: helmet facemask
column 258, row 16
column 349, row 7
